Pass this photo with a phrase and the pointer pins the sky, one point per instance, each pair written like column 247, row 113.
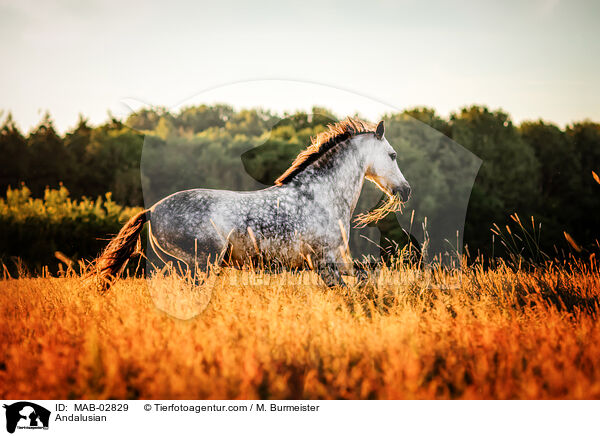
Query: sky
column 532, row 59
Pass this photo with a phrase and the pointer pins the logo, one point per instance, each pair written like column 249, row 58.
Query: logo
column 26, row 415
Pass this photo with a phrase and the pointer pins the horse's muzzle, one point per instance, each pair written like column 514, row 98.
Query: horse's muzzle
column 403, row 191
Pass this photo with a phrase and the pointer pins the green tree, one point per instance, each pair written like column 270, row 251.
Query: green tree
column 113, row 159
column 508, row 180
column 144, row 119
column 49, row 160
column 77, row 142
column 13, row 149
column 196, row 119
column 585, row 137
column 560, row 178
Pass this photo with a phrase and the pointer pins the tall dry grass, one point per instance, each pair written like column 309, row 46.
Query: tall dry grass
column 500, row 333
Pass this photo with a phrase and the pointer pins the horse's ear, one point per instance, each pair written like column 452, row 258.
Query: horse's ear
column 380, row 130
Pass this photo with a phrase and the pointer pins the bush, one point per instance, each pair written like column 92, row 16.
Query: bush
column 56, row 229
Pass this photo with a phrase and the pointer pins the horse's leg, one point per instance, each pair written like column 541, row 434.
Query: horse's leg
column 331, row 275
column 193, row 261
column 363, row 272
column 329, row 270
column 207, row 264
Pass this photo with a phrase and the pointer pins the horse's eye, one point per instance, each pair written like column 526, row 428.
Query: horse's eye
column 393, row 156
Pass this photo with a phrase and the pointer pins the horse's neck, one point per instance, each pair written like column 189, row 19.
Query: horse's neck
column 340, row 184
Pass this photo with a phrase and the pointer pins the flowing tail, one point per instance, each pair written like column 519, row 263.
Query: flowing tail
column 107, row 267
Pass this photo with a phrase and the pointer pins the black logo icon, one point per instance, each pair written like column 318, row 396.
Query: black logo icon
column 26, row 415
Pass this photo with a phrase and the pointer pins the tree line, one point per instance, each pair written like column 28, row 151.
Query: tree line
column 535, row 169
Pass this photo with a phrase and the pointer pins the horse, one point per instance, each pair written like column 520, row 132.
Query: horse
column 304, row 218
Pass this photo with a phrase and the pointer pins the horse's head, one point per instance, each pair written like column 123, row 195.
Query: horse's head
column 382, row 167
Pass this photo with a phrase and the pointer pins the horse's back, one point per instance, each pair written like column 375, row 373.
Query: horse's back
column 205, row 219
column 209, row 220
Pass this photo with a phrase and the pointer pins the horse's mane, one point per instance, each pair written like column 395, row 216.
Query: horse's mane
column 335, row 134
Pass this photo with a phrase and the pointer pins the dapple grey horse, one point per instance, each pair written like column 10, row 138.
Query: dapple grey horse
column 304, row 218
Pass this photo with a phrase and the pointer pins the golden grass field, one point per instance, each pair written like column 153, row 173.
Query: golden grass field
column 500, row 335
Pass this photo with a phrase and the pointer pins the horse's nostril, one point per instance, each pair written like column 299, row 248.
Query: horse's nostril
column 404, row 192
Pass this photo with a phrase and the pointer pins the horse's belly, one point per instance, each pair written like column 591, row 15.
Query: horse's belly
column 287, row 253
